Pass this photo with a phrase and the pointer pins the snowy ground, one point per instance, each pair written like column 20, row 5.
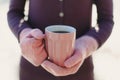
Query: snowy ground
column 106, row 59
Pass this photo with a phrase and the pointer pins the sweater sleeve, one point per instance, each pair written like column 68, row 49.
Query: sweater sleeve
column 104, row 21
column 15, row 17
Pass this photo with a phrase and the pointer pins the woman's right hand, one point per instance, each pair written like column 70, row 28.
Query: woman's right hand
column 32, row 46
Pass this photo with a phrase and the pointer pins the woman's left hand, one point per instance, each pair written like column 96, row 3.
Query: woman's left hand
column 84, row 47
column 72, row 64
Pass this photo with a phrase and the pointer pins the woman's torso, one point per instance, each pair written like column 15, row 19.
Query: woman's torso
column 76, row 13
column 67, row 12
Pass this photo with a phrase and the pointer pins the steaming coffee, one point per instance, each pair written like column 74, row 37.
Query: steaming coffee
column 60, row 31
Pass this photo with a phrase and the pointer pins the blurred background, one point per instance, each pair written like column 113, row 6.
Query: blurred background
column 106, row 59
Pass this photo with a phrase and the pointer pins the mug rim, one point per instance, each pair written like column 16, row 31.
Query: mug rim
column 52, row 28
